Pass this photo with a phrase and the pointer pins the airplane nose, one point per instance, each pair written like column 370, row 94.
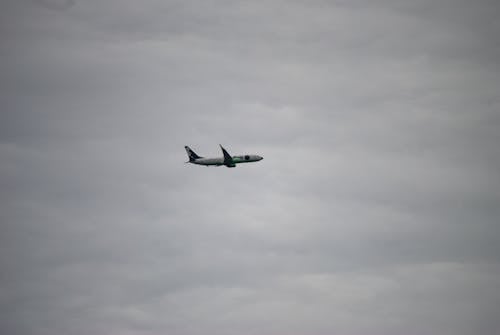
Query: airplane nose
column 261, row 158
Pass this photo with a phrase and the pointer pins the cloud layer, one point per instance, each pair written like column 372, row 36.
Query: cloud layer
column 375, row 210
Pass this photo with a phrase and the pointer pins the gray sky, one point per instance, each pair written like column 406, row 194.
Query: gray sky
column 376, row 209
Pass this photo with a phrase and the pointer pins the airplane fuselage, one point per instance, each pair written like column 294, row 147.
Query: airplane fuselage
column 218, row 161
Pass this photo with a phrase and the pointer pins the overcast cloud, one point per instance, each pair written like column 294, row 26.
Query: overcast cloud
column 376, row 209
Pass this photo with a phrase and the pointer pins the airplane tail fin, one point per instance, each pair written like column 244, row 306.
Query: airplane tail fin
column 191, row 154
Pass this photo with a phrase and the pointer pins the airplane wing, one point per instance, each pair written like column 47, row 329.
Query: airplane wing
column 228, row 160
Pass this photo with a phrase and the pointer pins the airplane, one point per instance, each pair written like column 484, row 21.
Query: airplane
column 226, row 159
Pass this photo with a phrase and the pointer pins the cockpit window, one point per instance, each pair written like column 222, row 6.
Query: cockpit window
column 247, row 157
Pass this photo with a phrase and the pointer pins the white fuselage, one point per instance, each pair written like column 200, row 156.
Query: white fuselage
column 220, row 160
